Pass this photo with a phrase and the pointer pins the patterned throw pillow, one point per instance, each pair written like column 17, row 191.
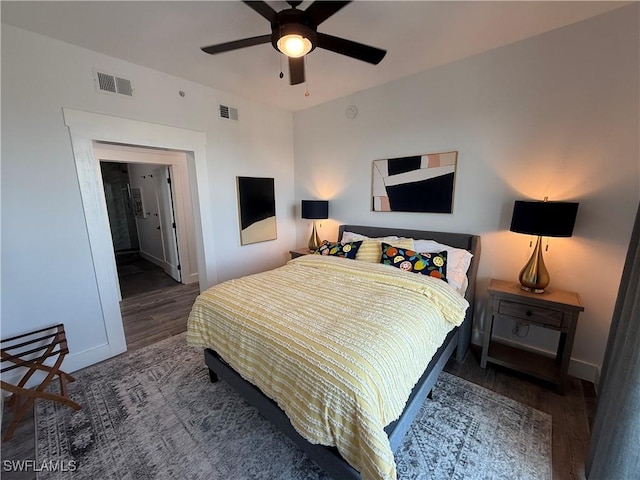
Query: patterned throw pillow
column 371, row 249
column 348, row 250
column 432, row 264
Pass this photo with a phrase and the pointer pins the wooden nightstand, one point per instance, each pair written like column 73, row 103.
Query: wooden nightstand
column 554, row 309
column 298, row 252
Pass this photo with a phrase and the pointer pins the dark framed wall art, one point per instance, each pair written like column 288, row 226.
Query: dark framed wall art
column 420, row 183
column 257, row 209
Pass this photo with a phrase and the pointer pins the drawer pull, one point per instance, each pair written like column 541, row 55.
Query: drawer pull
column 529, row 313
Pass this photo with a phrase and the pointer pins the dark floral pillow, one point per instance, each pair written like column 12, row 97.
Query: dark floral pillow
column 432, row 264
column 348, row 250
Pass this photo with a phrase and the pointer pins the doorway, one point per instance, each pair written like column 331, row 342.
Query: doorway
column 141, row 212
column 152, row 234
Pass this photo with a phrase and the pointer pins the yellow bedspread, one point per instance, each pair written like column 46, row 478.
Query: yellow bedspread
column 338, row 344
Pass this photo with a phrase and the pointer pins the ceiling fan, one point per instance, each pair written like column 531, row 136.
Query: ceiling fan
column 295, row 33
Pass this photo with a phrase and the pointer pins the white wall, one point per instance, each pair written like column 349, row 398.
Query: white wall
column 47, row 269
column 555, row 115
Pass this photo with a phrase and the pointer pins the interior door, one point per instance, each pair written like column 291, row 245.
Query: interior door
column 166, row 214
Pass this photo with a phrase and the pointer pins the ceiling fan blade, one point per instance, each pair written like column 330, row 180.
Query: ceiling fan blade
column 236, row 44
column 319, row 11
column 296, row 70
column 263, row 9
column 351, row 49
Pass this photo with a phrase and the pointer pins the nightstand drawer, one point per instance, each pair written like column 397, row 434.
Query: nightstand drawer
column 545, row 316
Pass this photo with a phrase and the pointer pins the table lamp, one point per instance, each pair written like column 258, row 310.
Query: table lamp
column 544, row 219
column 315, row 210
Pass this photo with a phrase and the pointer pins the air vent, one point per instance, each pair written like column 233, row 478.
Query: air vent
column 123, row 86
column 106, row 83
column 112, row 84
column 230, row 113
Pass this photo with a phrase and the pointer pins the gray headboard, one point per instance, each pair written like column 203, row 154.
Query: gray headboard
column 459, row 240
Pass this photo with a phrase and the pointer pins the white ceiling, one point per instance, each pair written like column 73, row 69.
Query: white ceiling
column 417, row 35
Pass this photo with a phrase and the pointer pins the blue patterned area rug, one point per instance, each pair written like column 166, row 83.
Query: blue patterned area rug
column 153, row 414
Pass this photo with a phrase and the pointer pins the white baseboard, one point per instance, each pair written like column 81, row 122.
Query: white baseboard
column 76, row 361
column 577, row 368
column 193, row 278
column 155, row 260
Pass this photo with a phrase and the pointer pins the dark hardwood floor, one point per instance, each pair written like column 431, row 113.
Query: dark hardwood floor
column 138, row 275
column 154, row 306
column 151, row 316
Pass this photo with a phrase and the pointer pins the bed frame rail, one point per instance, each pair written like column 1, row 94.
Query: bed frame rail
column 397, row 430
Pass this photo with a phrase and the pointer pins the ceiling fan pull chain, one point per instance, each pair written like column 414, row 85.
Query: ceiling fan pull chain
column 306, row 82
column 281, row 73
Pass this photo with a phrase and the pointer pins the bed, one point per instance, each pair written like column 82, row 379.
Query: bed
column 356, row 436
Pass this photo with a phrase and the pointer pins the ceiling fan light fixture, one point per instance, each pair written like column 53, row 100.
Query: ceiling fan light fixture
column 294, row 33
column 294, row 45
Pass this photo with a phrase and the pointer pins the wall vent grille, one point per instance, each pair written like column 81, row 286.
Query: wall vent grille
column 230, row 113
column 124, row 87
column 108, row 83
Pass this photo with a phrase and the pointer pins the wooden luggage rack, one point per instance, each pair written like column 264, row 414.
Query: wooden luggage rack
column 30, row 351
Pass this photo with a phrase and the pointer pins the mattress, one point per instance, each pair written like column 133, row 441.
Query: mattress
column 338, row 344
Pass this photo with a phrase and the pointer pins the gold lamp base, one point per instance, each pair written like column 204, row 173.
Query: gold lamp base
column 534, row 277
column 314, row 240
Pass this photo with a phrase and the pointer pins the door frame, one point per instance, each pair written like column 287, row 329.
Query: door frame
column 84, row 129
column 183, row 207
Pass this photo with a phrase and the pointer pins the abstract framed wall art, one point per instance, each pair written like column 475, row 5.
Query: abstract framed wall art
column 257, row 209
column 420, row 183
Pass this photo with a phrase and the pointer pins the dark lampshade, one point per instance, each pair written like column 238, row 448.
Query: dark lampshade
column 545, row 219
column 315, row 209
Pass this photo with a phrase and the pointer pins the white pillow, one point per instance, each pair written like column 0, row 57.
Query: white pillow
column 458, row 261
column 348, row 237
